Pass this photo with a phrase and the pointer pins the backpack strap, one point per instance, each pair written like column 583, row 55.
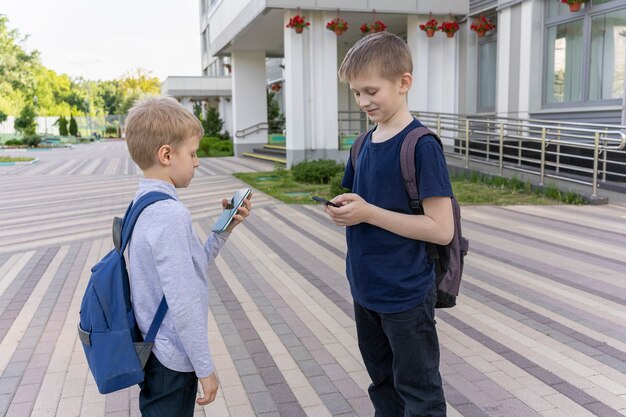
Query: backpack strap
column 128, row 224
column 356, row 147
column 407, row 164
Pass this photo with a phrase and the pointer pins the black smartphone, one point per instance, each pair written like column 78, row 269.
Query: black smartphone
column 324, row 201
column 231, row 209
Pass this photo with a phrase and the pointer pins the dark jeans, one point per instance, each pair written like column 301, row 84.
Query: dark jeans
column 167, row 393
column 401, row 354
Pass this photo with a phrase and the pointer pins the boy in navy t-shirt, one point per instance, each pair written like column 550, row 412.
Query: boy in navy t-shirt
column 391, row 277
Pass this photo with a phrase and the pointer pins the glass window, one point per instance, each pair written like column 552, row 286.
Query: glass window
column 564, row 58
column 487, row 75
column 606, row 70
column 557, row 8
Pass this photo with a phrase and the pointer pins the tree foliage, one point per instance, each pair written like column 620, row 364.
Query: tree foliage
column 25, row 123
column 73, row 126
column 275, row 118
column 23, row 77
column 62, row 122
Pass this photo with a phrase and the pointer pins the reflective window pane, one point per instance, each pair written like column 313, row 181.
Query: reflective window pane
column 564, row 62
column 487, row 76
column 606, row 70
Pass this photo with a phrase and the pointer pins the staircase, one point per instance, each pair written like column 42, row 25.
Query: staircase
column 274, row 153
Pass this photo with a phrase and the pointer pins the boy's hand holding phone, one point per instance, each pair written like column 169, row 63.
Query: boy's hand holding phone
column 354, row 210
column 324, row 201
column 235, row 211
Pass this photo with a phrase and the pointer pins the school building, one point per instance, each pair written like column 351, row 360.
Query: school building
column 543, row 60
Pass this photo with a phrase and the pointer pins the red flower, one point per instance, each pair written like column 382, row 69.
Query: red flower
column 431, row 24
column 297, row 22
column 337, row 23
column 482, row 24
column 377, row 26
column 449, row 27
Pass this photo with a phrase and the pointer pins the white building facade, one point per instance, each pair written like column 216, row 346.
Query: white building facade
column 542, row 61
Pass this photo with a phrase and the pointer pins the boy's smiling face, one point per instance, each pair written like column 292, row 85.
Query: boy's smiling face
column 381, row 99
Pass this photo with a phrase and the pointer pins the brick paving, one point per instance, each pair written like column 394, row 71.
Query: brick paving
column 539, row 329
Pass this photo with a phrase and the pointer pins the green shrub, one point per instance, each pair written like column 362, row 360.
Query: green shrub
column 319, row 171
column 335, row 185
column 13, row 142
column 31, row 141
column 213, row 146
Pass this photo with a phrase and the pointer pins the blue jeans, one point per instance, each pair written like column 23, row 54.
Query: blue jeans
column 167, row 393
column 401, row 354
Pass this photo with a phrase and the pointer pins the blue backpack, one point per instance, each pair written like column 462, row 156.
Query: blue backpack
column 107, row 329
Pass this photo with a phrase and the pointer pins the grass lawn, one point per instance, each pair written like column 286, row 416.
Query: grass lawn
column 472, row 190
column 281, row 185
column 14, row 159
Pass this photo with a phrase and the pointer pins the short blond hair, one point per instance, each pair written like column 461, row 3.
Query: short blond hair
column 382, row 53
column 156, row 121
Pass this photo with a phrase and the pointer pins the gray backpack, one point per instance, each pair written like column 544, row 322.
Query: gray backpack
column 448, row 258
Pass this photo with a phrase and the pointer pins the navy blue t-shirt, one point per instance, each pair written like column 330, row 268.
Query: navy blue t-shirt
column 389, row 273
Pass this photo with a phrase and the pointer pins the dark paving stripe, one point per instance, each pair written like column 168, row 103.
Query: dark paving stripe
column 553, row 247
column 572, row 228
column 550, row 271
column 575, row 394
column 341, row 302
column 600, row 351
column 320, row 217
column 279, row 397
column 18, row 292
column 303, row 231
column 78, row 168
column 35, row 349
column 315, row 362
column 557, row 305
column 461, row 403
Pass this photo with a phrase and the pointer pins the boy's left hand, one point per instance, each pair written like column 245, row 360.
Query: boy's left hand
column 242, row 212
column 354, row 210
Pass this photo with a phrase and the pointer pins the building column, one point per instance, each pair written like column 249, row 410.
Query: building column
column 249, row 100
column 503, row 71
column 311, row 89
column 435, row 68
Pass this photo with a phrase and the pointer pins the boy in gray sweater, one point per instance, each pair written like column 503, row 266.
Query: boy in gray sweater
column 166, row 257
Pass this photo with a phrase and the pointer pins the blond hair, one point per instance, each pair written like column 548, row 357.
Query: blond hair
column 156, row 121
column 383, row 53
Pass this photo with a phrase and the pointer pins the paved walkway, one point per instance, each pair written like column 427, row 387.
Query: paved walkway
column 540, row 329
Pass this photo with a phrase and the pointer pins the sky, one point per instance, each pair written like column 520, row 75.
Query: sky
column 107, row 39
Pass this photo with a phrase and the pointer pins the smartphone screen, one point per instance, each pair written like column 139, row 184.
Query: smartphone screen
column 227, row 215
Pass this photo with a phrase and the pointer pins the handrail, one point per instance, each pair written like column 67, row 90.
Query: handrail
column 543, row 147
column 252, row 129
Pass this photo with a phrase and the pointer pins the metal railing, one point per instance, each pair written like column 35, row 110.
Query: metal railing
column 271, row 126
column 576, row 152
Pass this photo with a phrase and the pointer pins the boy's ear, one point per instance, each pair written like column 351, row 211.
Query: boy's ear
column 164, row 155
column 406, row 81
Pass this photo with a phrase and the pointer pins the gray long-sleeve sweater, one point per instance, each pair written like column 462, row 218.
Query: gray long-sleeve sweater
column 167, row 257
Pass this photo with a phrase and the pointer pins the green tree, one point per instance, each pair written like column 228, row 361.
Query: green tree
column 73, row 126
column 25, row 123
column 17, row 67
column 3, row 116
column 212, row 123
column 275, row 118
column 62, row 121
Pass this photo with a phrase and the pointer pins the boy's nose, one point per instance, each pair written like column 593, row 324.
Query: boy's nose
column 362, row 101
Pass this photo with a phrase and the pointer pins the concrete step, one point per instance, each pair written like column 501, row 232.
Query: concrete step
column 265, row 157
